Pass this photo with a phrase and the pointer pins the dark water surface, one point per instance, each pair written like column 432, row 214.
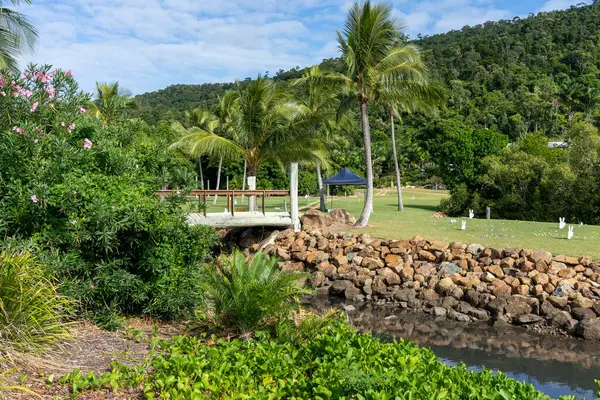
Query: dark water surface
column 555, row 365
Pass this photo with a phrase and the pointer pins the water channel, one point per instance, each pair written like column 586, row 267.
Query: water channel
column 555, row 365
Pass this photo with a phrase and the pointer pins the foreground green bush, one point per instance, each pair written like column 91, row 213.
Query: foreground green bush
column 245, row 296
column 81, row 192
column 338, row 363
column 31, row 312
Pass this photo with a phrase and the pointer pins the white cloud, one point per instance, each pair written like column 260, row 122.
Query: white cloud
column 149, row 44
column 552, row 5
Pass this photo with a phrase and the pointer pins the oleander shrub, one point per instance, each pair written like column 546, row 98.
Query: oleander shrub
column 81, row 190
column 245, row 296
column 32, row 313
column 337, row 363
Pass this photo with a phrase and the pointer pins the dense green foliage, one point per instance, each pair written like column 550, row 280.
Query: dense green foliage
column 531, row 181
column 81, row 190
column 31, row 311
column 337, row 363
column 246, row 296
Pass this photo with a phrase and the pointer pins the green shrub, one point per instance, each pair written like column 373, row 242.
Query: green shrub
column 247, row 296
column 337, row 363
column 32, row 314
column 82, row 192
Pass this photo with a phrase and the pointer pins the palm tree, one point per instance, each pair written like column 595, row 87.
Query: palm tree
column 111, row 102
column 377, row 60
column 268, row 127
column 16, row 35
column 201, row 119
column 408, row 97
column 319, row 101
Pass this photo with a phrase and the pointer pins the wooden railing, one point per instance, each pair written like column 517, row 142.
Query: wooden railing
column 203, row 194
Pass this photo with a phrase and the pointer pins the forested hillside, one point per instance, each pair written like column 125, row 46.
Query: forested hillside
column 506, row 80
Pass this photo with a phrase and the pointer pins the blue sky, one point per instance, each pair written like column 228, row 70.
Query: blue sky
column 149, row 44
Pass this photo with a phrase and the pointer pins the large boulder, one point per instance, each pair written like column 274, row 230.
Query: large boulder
column 340, row 216
column 316, row 219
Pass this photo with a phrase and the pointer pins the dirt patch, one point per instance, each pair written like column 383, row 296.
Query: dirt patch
column 91, row 349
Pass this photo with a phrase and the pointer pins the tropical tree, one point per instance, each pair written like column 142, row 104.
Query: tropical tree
column 16, row 34
column 267, row 125
column 377, row 60
column 319, row 101
column 408, row 97
column 111, row 102
column 197, row 118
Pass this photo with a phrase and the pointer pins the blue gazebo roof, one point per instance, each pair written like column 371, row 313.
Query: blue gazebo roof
column 345, row 177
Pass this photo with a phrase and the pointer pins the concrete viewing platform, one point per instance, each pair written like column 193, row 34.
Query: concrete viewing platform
column 241, row 219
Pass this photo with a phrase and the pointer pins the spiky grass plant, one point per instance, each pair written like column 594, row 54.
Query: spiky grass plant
column 246, row 296
column 31, row 311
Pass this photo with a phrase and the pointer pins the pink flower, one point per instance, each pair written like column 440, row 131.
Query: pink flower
column 16, row 94
column 69, row 72
column 113, row 207
column 74, row 193
column 82, row 110
column 72, row 126
column 87, row 143
column 34, row 106
column 35, row 140
column 18, row 129
column 34, row 198
column 51, row 92
column 63, row 123
column 73, row 222
column 51, row 105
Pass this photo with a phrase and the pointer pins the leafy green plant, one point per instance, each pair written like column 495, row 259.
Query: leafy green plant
column 247, row 296
column 337, row 363
column 81, row 191
column 32, row 313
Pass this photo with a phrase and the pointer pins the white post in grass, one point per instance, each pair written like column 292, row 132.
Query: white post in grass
column 294, row 196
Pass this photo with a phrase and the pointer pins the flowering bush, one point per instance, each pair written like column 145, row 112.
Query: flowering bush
column 83, row 191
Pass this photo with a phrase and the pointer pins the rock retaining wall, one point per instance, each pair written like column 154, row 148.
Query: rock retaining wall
column 463, row 282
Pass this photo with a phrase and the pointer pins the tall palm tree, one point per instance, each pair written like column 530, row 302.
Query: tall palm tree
column 111, row 102
column 377, row 60
column 268, row 127
column 16, row 35
column 201, row 119
column 319, row 101
column 408, row 97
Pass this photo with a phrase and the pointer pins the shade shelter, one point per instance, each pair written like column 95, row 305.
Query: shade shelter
column 345, row 177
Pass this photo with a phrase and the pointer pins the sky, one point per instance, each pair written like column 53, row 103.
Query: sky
column 150, row 44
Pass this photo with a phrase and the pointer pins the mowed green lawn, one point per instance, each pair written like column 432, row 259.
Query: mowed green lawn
column 417, row 219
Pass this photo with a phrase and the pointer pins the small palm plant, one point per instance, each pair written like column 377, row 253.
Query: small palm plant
column 248, row 296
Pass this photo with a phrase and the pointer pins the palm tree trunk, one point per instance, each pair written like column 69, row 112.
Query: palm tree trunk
column 218, row 178
column 201, row 172
column 363, row 220
column 398, row 186
column 321, row 192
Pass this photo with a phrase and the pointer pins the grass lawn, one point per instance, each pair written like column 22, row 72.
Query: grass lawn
column 420, row 205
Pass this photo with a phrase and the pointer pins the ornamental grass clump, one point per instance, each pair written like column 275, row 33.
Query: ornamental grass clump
column 32, row 314
column 244, row 296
